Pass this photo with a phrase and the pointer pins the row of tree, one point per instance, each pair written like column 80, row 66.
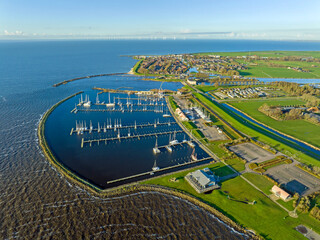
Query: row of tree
column 278, row 114
column 296, row 89
column 293, row 114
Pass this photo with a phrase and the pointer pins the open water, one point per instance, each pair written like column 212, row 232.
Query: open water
column 36, row 202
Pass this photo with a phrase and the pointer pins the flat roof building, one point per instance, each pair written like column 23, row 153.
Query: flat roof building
column 202, row 180
column 280, row 193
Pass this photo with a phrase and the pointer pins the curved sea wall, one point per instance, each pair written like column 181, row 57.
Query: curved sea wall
column 51, row 158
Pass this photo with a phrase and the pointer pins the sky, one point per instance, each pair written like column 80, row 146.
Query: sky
column 165, row 19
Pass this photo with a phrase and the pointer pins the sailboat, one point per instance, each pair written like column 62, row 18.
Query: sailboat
column 166, row 114
column 87, row 102
column 110, row 104
column 156, row 149
column 174, row 140
column 194, row 155
column 155, row 167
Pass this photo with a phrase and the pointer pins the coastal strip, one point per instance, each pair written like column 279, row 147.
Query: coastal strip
column 91, row 76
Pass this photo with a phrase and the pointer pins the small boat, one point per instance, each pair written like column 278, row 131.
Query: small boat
column 194, row 156
column 174, row 141
column 156, row 149
column 155, row 167
column 191, row 144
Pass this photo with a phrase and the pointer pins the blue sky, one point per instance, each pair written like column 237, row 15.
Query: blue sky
column 227, row 19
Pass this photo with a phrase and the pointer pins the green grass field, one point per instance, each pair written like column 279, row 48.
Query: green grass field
column 236, row 164
column 206, row 88
column 265, row 217
column 300, row 129
column 315, row 54
column 264, row 70
column 260, row 181
column 195, row 131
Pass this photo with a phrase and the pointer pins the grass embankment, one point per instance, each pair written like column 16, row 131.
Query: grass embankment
column 50, row 156
column 206, row 88
column 300, row 129
column 265, row 217
column 261, row 134
column 136, row 67
column 173, row 104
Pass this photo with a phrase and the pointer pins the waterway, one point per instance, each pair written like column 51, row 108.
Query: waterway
column 36, row 201
column 305, row 146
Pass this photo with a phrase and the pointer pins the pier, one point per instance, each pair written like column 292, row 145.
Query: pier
column 160, row 170
column 81, row 127
column 119, row 137
column 111, row 109
column 169, row 146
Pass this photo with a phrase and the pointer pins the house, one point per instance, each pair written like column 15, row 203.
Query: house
column 313, row 109
column 280, row 193
column 192, row 82
column 202, row 180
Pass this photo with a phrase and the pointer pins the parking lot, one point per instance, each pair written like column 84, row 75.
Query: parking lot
column 294, row 179
column 251, row 152
column 211, row 133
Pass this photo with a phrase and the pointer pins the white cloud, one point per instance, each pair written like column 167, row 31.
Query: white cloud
column 15, row 33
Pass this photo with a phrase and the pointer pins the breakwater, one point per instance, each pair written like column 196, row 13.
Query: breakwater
column 50, row 156
column 91, row 76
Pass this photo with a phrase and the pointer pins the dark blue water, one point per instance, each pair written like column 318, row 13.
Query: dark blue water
column 36, row 201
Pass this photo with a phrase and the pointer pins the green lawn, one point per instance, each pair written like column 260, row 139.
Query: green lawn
column 260, row 181
column 300, row 129
column 236, row 164
column 265, row 217
column 288, row 205
column 196, row 132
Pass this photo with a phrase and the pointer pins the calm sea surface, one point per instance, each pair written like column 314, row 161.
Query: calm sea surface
column 36, row 201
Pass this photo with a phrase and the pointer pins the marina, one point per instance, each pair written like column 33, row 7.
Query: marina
column 119, row 129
